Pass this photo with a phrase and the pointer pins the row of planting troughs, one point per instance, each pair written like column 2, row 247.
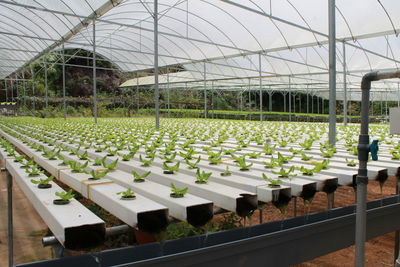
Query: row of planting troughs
column 184, row 170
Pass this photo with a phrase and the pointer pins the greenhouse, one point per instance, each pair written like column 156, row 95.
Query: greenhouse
column 200, row 132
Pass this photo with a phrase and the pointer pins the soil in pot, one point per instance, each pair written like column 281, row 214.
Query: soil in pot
column 44, row 186
column 60, row 202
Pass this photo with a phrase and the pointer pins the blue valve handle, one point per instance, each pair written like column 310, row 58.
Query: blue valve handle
column 373, row 148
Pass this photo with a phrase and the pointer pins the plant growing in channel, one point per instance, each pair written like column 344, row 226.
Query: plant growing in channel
column 227, row 172
column 241, row 162
column 285, row 173
column 272, row 182
column 192, row 165
column 351, row 162
column 127, row 195
column 43, row 183
column 145, row 162
column 64, row 197
column 96, row 174
column 140, row 178
column 178, row 192
column 34, row 171
column 202, row 176
column 111, row 166
column 78, row 167
column 170, row 169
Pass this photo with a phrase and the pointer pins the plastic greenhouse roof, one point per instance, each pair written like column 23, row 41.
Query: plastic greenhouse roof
column 289, row 39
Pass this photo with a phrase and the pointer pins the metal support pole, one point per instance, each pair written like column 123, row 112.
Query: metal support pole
column 24, row 87
column 284, row 101
column 168, row 103
column 205, row 91
column 63, row 77
column 332, row 72
column 363, row 152
column 33, row 88
column 398, row 95
column 5, row 88
column 46, row 87
column 331, row 200
column 344, row 86
column 318, row 110
column 137, row 93
column 10, row 219
column 94, row 74
column 261, row 100
column 270, row 101
column 156, row 89
column 299, row 103
column 290, row 100
column 294, row 206
column 12, row 90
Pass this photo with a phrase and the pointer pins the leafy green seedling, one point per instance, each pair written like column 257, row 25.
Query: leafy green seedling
column 193, row 165
column 110, row 166
column 215, row 160
column 83, row 156
column 64, row 197
column 307, row 171
column 271, row 164
column 351, row 162
column 323, row 165
column 99, row 161
column 285, row 174
column 305, row 157
column 26, row 164
column 282, row 159
column 145, row 163
column 128, row 194
column 294, row 151
column 96, row 175
column 254, row 155
column 112, row 152
column 170, row 169
column 77, row 167
column 241, row 162
column 202, row 176
column 395, row 154
column 282, row 143
column 227, row 172
column 178, row 192
column 272, row 182
column 43, row 181
column 169, row 159
column 34, row 171
column 19, row 158
column 307, row 144
column 189, row 153
column 139, row 178
column 127, row 157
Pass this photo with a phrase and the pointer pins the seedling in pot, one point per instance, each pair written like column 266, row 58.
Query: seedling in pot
column 282, row 159
column 99, row 161
column 43, row 183
column 189, row 153
column 323, row 165
column 193, row 165
column 127, row 195
column 273, row 183
column 294, row 151
column 227, row 172
column 110, row 166
column 305, row 157
column 126, row 157
column 111, row 152
column 285, row 174
column 83, row 156
column 26, row 164
column 96, row 175
column 253, row 155
column 34, row 171
column 268, row 149
column 178, row 192
column 168, row 159
column 202, row 177
column 19, row 158
column 271, row 164
column 139, row 178
column 307, row 171
column 77, row 167
column 351, row 162
column 145, row 163
column 241, row 162
column 215, row 160
column 395, row 154
column 170, row 169
column 64, row 197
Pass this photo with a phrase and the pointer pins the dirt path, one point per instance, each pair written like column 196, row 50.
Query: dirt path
column 29, row 228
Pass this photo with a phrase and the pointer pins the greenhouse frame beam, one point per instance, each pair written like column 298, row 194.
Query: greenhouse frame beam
column 344, row 86
column 332, row 71
column 94, row 73
column 72, row 32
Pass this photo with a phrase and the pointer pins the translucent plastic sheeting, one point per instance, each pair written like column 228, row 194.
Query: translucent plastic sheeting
column 291, row 36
